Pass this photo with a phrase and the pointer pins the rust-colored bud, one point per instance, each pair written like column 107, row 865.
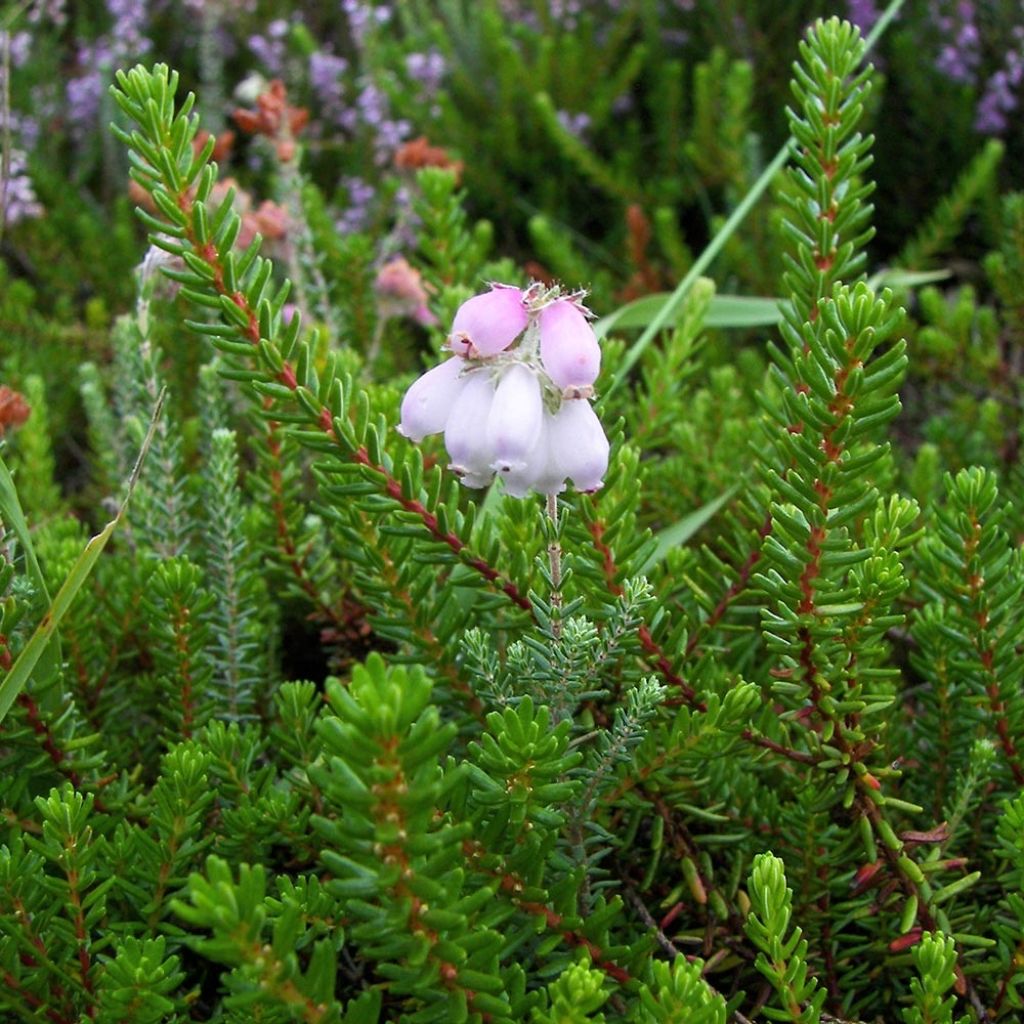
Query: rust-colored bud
column 14, row 410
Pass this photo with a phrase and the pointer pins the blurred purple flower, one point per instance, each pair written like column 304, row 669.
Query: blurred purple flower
column 48, row 12
column 999, row 98
column 390, row 135
column 18, row 200
column 126, row 37
column 123, row 44
column 565, row 12
column 574, row 124
column 356, row 216
column 1001, row 94
column 960, row 54
column 20, row 46
column 326, row 71
column 623, row 104
column 224, row 8
column 270, row 49
column 372, row 105
column 84, row 94
column 863, row 14
column 22, row 128
column 372, row 110
column 427, row 69
column 363, row 16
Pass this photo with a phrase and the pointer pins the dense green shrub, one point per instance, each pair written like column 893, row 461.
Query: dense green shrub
column 307, row 734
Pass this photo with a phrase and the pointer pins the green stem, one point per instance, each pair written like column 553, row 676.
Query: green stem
column 555, row 562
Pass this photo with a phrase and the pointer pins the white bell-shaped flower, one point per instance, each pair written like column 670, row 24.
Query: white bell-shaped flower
column 537, row 473
column 577, row 444
column 428, row 402
column 465, row 432
column 514, row 422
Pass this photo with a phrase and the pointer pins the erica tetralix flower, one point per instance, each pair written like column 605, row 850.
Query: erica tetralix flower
column 578, row 444
column 487, row 324
column 513, row 423
column 429, row 401
column 514, row 400
column 465, row 432
column 568, row 346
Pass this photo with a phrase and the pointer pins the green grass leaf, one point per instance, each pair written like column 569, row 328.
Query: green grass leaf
column 40, row 646
column 723, row 311
column 683, row 529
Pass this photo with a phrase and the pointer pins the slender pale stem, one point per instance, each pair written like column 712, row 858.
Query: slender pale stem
column 555, row 562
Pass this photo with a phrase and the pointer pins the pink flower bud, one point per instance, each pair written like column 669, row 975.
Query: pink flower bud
column 515, row 417
column 428, row 402
column 568, row 346
column 487, row 324
column 577, row 444
column 400, row 292
column 465, row 433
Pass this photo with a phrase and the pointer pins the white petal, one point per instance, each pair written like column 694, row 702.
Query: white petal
column 473, row 479
column 429, row 400
column 533, row 474
column 577, row 444
column 465, row 433
column 515, row 418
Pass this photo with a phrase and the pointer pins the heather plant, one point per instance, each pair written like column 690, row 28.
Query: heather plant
column 608, row 140
column 460, row 646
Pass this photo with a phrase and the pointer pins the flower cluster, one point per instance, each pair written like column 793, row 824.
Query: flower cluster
column 960, row 55
column 122, row 45
column 271, row 48
column 513, row 400
column 999, row 98
column 17, row 194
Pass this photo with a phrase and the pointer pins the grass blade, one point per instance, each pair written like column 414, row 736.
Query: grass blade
column 40, row 642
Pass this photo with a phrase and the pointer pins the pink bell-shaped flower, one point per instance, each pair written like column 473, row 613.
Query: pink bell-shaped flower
column 487, row 324
column 514, row 421
column 568, row 346
column 577, row 445
column 465, row 432
column 428, row 402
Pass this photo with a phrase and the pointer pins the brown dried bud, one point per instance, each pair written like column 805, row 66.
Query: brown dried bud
column 221, row 146
column 274, row 118
column 419, row 153
column 14, row 410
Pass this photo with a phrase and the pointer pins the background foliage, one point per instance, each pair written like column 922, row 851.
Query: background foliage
column 320, row 736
